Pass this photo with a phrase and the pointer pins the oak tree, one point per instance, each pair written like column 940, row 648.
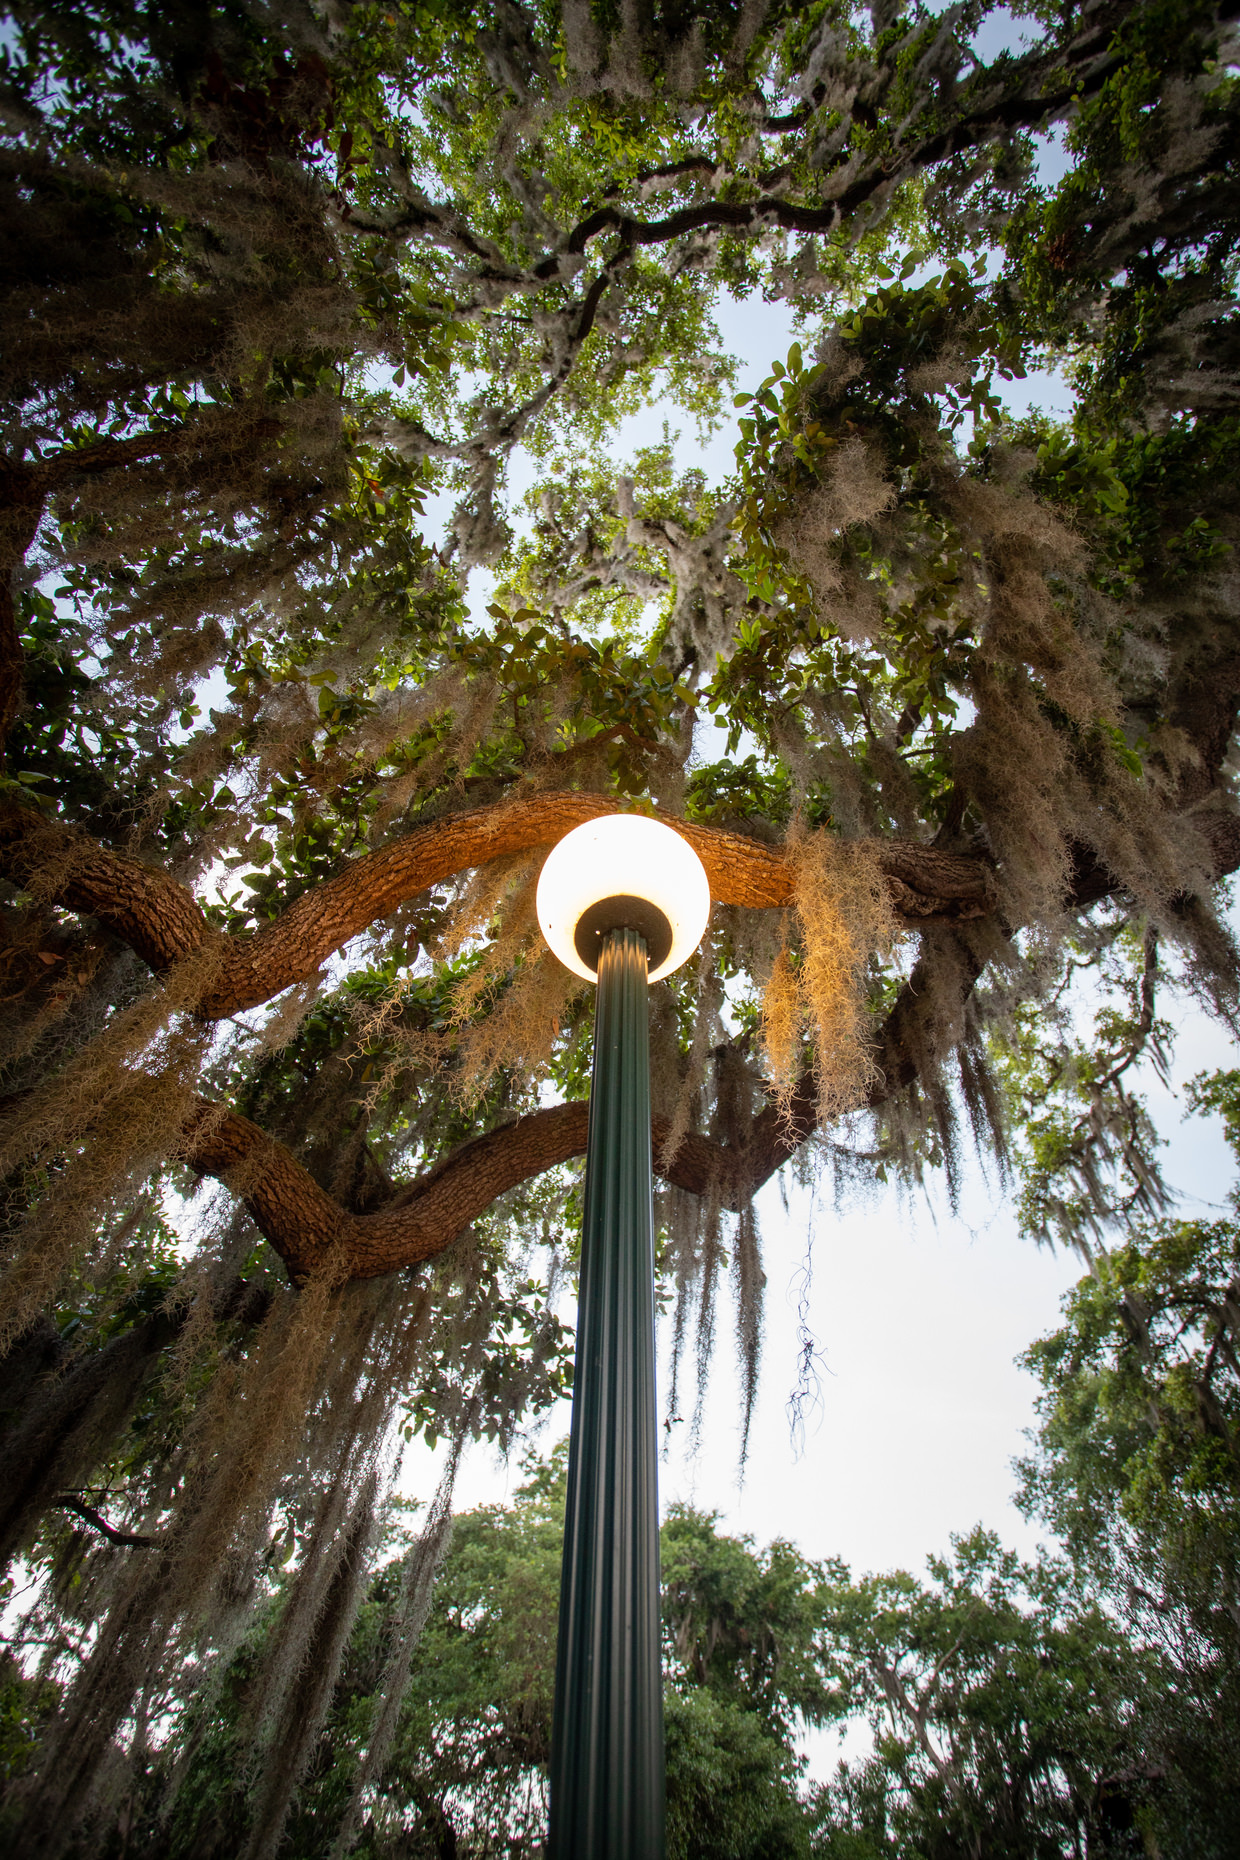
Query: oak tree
column 294, row 306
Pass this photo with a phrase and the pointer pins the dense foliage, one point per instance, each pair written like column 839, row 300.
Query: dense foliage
column 1137, row 1469
column 310, row 315
column 1024, row 1710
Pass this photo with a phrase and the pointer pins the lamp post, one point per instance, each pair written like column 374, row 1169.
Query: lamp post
column 623, row 901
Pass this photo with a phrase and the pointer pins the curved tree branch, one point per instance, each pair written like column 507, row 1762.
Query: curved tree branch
column 68, row 1501
column 162, row 921
column 315, row 1237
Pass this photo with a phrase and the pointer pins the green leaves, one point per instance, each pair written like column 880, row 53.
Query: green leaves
column 630, row 698
column 999, row 1693
column 1135, row 1464
column 1083, row 475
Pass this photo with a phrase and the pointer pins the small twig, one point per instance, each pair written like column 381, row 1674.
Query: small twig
column 68, row 1502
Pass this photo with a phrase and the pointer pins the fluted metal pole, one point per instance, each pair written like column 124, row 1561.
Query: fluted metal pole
column 607, row 1783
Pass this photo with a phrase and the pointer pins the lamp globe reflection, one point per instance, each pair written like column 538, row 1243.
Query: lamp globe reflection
column 628, row 872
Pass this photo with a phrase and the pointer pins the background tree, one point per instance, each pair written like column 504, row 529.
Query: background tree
column 466, row 1769
column 1135, row 1466
column 270, row 287
column 1011, row 1713
column 1007, row 1709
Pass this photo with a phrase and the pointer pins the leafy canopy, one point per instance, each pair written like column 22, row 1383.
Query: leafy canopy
column 309, row 319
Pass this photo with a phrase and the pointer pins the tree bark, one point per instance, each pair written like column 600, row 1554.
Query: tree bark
column 162, row 921
column 315, row 1237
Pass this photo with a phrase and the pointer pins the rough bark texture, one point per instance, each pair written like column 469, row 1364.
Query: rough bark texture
column 160, row 919
column 313, row 1234
column 163, row 922
column 316, row 1237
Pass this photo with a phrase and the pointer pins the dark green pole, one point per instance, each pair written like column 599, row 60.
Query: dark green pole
column 607, row 1789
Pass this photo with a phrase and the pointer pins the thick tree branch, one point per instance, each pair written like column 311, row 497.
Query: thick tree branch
column 316, row 1237
column 164, row 923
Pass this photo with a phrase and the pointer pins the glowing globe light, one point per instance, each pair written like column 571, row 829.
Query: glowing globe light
column 625, row 871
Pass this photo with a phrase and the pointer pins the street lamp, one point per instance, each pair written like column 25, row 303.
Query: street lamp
column 623, row 900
